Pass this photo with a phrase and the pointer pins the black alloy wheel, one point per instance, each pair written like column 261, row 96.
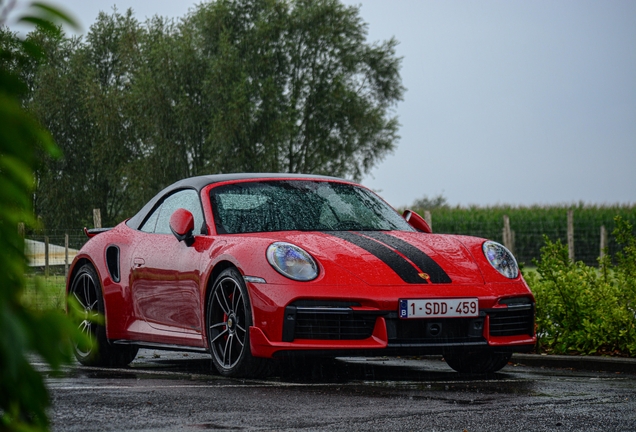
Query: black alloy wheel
column 86, row 291
column 229, row 319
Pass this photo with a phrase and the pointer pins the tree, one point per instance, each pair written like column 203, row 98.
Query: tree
column 426, row 203
column 271, row 86
column 236, row 85
column 23, row 397
column 294, row 87
column 173, row 111
column 82, row 95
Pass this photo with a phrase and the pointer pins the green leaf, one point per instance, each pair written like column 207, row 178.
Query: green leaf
column 40, row 22
column 18, row 169
column 56, row 14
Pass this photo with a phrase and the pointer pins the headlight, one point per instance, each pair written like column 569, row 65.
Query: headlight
column 291, row 261
column 501, row 259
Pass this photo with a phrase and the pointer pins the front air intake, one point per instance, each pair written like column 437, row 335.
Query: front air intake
column 327, row 322
column 512, row 321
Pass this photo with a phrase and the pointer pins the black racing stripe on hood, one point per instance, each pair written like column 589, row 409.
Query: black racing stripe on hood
column 419, row 258
column 398, row 264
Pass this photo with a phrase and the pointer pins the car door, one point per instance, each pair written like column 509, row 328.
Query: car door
column 165, row 274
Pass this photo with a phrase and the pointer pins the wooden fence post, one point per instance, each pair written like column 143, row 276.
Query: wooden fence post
column 46, row 256
column 97, row 218
column 512, row 241
column 571, row 235
column 66, row 254
column 603, row 241
column 508, row 235
column 428, row 218
column 21, row 229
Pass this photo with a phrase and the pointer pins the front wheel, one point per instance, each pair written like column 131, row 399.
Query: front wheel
column 229, row 319
column 86, row 292
column 477, row 362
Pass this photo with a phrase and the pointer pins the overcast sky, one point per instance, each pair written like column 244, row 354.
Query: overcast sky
column 507, row 102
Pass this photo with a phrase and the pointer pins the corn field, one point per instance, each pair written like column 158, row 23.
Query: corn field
column 530, row 224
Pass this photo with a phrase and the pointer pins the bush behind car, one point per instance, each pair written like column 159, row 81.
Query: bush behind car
column 583, row 309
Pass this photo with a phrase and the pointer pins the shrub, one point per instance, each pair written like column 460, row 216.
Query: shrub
column 583, row 309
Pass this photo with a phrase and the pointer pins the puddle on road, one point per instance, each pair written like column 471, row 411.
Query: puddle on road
column 370, row 377
column 170, row 369
column 421, row 375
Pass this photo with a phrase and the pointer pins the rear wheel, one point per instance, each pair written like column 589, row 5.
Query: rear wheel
column 229, row 318
column 86, row 291
column 477, row 362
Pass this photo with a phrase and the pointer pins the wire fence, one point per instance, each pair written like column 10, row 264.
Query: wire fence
column 526, row 243
column 51, row 251
column 586, row 240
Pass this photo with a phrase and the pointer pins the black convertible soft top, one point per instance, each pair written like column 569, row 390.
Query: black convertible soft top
column 199, row 182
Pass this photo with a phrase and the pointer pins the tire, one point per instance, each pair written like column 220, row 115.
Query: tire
column 477, row 362
column 87, row 292
column 229, row 318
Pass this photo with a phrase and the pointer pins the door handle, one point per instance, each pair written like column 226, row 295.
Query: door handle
column 139, row 262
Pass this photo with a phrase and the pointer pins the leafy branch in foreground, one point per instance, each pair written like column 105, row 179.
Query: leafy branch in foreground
column 23, row 396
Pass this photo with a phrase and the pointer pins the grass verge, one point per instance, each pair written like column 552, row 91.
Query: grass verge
column 44, row 293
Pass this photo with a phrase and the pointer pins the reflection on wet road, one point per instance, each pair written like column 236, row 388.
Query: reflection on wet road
column 178, row 391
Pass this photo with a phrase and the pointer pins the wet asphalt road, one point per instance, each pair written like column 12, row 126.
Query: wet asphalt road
column 165, row 391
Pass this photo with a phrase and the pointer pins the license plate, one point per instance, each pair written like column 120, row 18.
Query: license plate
column 439, row 308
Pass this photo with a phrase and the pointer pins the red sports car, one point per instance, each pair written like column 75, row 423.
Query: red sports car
column 250, row 267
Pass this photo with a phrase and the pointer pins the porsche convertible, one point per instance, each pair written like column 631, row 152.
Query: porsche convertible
column 252, row 268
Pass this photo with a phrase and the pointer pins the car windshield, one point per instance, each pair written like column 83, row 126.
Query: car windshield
column 300, row 205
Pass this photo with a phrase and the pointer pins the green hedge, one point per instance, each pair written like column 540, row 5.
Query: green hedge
column 530, row 224
column 582, row 309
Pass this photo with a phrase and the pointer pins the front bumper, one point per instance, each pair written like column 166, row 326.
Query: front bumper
column 341, row 329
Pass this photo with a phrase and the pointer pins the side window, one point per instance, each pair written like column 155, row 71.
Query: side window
column 159, row 221
column 151, row 222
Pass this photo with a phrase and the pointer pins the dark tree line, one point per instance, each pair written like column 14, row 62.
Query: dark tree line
column 234, row 86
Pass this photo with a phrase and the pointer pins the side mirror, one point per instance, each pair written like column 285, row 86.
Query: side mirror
column 417, row 221
column 182, row 225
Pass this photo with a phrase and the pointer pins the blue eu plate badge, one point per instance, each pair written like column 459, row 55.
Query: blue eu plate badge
column 404, row 307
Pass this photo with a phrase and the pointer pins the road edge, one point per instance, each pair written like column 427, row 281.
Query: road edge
column 591, row 363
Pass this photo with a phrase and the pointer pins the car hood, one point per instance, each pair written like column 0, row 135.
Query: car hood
column 392, row 258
